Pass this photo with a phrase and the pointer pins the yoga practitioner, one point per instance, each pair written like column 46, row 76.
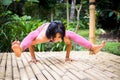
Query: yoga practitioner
column 53, row 32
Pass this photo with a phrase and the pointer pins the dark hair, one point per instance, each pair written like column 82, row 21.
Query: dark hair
column 54, row 28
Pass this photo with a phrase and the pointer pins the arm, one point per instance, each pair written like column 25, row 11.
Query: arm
column 68, row 48
column 31, row 49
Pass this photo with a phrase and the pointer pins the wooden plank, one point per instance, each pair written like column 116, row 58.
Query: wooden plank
column 35, row 69
column 2, row 66
column 82, row 75
column 53, row 67
column 97, row 74
column 110, row 66
column 47, row 75
column 16, row 74
column 37, row 72
column 2, row 73
column 65, row 78
column 93, row 74
column 81, row 66
column 116, row 71
column 107, row 66
column 1, row 55
column 100, row 66
column 29, row 71
column 58, row 64
column 4, row 59
column 105, row 69
column 23, row 73
column 111, row 75
column 101, row 73
column 71, row 76
column 88, row 76
column 76, row 73
column 52, row 73
column 49, row 70
column 8, row 75
column 40, row 66
column 57, row 70
column 113, row 63
column 61, row 67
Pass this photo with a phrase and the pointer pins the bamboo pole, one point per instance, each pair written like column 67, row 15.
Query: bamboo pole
column 92, row 21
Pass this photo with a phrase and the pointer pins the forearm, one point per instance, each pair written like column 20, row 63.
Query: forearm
column 31, row 49
column 68, row 48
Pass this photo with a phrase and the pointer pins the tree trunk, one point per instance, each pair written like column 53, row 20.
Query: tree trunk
column 51, row 15
column 67, row 13
column 77, row 26
column 92, row 21
column 78, row 20
column 78, row 16
column 72, row 13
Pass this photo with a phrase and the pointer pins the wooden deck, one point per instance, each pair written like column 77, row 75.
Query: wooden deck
column 52, row 66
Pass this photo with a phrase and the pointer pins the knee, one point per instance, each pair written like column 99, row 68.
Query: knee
column 34, row 34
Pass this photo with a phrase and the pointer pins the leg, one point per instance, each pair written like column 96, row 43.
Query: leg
column 96, row 48
column 31, row 49
column 27, row 41
column 78, row 39
column 85, row 43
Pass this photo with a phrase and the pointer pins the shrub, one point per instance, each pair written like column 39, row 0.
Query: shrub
column 16, row 28
column 112, row 47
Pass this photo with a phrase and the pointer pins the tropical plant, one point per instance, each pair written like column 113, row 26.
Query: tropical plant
column 16, row 29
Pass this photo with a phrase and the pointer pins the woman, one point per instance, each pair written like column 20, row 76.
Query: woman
column 52, row 32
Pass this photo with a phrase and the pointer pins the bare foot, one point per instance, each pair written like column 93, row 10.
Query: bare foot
column 16, row 48
column 96, row 48
column 34, row 61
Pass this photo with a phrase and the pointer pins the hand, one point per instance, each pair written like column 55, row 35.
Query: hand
column 34, row 61
column 68, row 59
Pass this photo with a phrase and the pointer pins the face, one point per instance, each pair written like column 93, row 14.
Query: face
column 57, row 38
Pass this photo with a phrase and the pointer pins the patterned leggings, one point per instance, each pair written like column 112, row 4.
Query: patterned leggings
column 27, row 41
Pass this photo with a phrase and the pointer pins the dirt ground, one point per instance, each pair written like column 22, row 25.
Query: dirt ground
column 110, row 37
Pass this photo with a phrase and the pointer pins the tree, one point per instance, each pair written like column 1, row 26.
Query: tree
column 67, row 13
column 92, row 21
column 72, row 12
column 78, row 15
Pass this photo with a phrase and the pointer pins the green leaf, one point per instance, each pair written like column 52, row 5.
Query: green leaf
column 118, row 17
column 34, row 0
column 110, row 14
column 6, row 2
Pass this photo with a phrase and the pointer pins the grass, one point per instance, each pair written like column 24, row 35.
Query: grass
column 84, row 32
column 112, row 47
